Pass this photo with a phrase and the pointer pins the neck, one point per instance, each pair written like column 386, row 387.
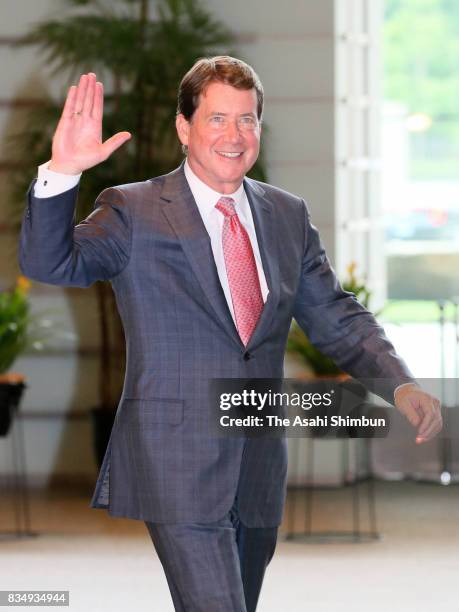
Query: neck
column 223, row 188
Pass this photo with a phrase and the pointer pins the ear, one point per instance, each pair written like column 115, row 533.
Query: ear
column 183, row 129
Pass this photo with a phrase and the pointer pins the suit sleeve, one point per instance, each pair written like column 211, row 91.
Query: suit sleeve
column 339, row 326
column 53, row 250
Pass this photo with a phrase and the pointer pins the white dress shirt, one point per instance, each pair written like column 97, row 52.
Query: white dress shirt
column 51, row 183
column 206, row 199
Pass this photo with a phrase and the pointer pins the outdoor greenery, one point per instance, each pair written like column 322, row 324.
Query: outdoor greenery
column 140, row 52
column 416, row 311
column 421, row 42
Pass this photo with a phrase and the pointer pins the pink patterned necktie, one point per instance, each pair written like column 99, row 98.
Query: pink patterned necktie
column 241, row 269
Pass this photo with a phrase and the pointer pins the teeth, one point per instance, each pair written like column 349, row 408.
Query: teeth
column 229, row 154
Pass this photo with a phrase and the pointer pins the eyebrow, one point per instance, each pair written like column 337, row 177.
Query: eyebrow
column 250, row 114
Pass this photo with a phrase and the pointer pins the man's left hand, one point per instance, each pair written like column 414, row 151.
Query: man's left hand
column 421, row 409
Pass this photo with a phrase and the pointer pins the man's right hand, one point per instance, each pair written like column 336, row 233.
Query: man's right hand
column 77, row 142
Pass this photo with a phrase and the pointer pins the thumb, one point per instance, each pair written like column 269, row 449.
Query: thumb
column 114, row 142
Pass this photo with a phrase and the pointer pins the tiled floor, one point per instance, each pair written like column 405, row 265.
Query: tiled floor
column 110, row 564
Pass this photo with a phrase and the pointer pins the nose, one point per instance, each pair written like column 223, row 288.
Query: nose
column 233, row 132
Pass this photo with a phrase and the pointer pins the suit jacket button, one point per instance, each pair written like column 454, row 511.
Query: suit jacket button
column 247, row 356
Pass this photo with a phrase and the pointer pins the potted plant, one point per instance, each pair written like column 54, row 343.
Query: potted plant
column 141, row 57
column 19, row 331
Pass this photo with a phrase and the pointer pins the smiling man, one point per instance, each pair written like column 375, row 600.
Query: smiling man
column 222, row 135
column 208, row 268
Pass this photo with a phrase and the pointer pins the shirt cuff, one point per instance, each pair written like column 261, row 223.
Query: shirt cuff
column 50, row 183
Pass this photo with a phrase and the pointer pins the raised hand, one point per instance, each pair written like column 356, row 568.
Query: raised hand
column 77, row 141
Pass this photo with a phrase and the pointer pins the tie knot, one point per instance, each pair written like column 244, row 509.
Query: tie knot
column 226, row 206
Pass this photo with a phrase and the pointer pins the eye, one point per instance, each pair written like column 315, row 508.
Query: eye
column 217, row 119
column 248, row 121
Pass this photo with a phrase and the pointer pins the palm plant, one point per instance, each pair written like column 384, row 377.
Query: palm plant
column 141, row 58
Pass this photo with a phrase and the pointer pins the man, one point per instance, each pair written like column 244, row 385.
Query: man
column 208, row 268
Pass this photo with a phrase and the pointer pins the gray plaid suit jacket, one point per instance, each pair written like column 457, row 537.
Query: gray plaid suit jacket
column 149, row 241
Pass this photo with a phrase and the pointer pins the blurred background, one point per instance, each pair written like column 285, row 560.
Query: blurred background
column 361, row 120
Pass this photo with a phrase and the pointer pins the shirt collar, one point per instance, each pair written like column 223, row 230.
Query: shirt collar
column 206, row 198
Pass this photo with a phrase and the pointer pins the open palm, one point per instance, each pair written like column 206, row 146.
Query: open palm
column 77, row 142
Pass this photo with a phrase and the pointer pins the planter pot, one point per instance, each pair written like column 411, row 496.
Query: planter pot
column 11, row 389
column 102, row 423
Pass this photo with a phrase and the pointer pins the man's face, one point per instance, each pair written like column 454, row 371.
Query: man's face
column 223, row 136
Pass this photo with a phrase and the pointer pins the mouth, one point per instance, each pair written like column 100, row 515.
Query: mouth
column 230, row 155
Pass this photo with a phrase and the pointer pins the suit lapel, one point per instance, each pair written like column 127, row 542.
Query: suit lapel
column 183, row 215
column 264, row 220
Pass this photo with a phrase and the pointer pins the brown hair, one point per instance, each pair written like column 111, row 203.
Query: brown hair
column 223, row 68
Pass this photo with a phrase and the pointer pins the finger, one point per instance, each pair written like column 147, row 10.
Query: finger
column 435, row 427
column 89, row 95
column 428, row 408
column 428, row 436
column 81, row 92
column 69, row 106
column 114, row 143
column 98, row 106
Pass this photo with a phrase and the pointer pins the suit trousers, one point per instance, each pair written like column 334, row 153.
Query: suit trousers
column 214, row 567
